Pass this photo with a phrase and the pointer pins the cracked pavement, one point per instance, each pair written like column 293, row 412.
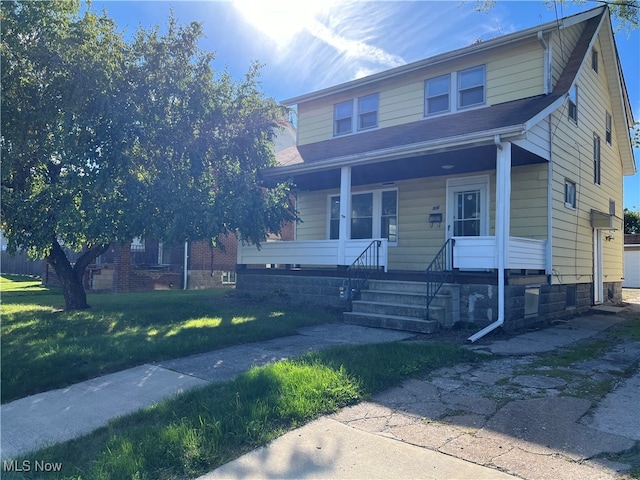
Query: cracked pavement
column 517, row 415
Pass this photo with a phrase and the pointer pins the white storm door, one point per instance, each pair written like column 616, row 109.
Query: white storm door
column 468, row 207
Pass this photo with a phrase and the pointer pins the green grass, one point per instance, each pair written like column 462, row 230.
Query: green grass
column 43, row 347
column 205, row 428
column 21, row 283
column 576, row 353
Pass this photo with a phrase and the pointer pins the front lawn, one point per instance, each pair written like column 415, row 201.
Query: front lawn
column 187, row 436
column 43, row 347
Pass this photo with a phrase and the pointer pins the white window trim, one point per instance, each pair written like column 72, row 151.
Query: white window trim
column 355, row 116
column 335, row 119
column 426, row 97
column 608, row 129
column 359, row 113
column 376, row 213
column 454, row 93
column 575, row 194
column 228, row 277
column 484, row 87
column 597, row 159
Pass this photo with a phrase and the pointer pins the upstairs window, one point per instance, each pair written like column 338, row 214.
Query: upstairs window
column 607, row 121
column 342, row 118
column 356, row 114
column 437, row 95
column 596, row 160
column 471, row 85
column 573, row 104
column 368, row 112
column 594, row 60
column 569, row 194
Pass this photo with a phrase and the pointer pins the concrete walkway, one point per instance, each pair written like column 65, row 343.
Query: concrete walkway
column 501, row 417
column 50, row 417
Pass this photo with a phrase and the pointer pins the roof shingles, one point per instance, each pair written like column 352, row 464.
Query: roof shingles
column 486, row 119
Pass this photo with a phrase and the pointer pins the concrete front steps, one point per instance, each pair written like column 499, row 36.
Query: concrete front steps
column 400, row 305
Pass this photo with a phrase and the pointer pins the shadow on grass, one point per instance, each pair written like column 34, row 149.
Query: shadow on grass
column 205, row 428
column 43, row 349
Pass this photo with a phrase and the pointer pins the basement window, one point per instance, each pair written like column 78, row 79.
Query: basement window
column 571, row 296
column 229, row 278
column 531, row 301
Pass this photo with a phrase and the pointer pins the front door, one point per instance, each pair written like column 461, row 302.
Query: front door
column 468, row 206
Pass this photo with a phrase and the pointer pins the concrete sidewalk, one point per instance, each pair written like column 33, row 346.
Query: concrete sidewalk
column 50, row 417
column 445, row 426
column 327, row 448
column 448, row 427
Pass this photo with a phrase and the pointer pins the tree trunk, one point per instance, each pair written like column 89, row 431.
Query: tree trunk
column 75, row 298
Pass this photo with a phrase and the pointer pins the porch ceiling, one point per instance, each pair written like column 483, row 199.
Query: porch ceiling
column 469, row 160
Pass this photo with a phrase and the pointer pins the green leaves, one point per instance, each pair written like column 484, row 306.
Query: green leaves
column 105, row 139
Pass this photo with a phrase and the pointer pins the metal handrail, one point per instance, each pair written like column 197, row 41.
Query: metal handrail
column 439, row 271
column 362, row 268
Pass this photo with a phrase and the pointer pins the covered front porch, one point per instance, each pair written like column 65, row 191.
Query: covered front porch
column 460, row 227
column 412, row 205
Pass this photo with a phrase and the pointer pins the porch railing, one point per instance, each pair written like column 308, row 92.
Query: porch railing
column 439, row 271
column 361, row 270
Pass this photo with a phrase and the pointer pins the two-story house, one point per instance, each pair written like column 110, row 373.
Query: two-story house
column 496, row 168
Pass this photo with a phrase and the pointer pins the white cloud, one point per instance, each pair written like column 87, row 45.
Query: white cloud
column 282, row 20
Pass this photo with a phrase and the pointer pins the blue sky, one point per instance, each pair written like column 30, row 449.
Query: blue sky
column 305, row 45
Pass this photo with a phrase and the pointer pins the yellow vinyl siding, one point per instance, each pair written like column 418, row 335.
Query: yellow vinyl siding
column 417, row 241
column 529, row 201
column 402, row 104
column 573, row 159
column 513, row 72
column 563, row 42
column 315, row 121
column 312, row 208
column 519, row 74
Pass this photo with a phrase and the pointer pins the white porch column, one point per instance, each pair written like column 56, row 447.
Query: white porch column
column 503, row 202
column 345, row 213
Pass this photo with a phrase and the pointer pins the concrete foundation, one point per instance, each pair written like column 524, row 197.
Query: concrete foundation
column 526, row 305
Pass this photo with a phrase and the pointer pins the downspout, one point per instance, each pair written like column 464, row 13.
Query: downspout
column 501, row 225
column 185, row 266
column 549, row 266
column 547, row 63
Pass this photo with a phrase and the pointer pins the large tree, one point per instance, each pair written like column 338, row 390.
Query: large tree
column 104, row 140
